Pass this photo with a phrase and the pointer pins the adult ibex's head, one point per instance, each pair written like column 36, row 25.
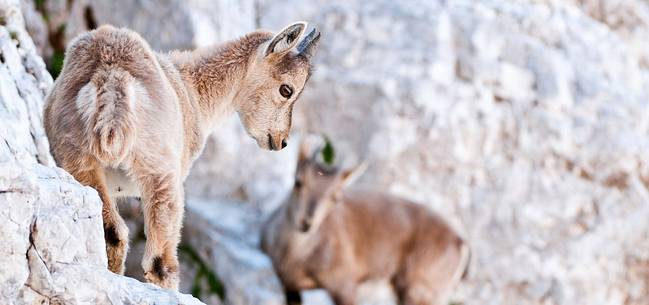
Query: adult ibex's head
column 318, row 187
column 275, row 79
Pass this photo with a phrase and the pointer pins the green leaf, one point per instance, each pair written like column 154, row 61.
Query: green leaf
column 203, row 272
column 328, row 152
column 196, row 284
column 56, row 63
column 216, row 286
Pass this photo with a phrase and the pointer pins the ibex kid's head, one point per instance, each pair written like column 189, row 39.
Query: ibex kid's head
column 317, row 189
column 275, row 79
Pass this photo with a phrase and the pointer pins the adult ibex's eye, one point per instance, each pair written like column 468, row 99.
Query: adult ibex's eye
column 298, row 184
column 286, row 91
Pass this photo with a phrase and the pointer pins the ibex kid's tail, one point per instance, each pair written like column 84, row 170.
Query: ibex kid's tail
column 106, row 105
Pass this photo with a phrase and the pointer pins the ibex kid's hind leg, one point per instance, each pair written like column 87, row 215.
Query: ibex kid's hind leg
column 163, row 213
column 115, row 229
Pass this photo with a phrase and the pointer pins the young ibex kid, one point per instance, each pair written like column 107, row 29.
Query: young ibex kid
column 328, row 237
column 128, row 121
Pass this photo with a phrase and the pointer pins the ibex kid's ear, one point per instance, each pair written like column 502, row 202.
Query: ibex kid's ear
column 286, row 39
column 348, row 176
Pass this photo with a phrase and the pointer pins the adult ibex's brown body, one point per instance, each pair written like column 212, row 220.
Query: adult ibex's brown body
column 328, row 238
column 129, row 122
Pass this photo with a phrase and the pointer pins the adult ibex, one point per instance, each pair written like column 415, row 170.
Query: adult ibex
column 329, row 237
column 128, row 121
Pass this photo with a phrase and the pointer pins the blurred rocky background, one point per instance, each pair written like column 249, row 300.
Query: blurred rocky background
column 525, row 123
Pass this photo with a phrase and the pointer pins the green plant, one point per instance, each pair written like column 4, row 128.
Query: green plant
column 55, row 64
column 203, row 273
column 40, row 7
column 328, row 152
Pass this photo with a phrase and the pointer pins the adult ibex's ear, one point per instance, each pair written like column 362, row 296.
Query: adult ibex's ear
column 286, row 39
column 309, row 44
column 348, row 176
column 302, row 157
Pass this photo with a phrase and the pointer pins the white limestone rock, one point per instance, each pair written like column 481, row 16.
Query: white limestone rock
column 167, row 25
column 53, row 249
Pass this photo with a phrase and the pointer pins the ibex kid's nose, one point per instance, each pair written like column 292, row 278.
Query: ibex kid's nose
column 274, row 143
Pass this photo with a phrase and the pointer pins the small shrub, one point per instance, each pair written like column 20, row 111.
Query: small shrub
column 203, row 273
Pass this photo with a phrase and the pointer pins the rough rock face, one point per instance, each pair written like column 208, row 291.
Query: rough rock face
column 629, row 19
column 525, row 123
column 166, row 25
column 53, row 249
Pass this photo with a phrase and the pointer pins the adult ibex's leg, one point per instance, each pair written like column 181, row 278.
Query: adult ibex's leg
column 417, row 294
column 115, row 229
column 406, row 292
column 162, row 196
column 428, row 274
column 293, row 297
column 342, row 293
